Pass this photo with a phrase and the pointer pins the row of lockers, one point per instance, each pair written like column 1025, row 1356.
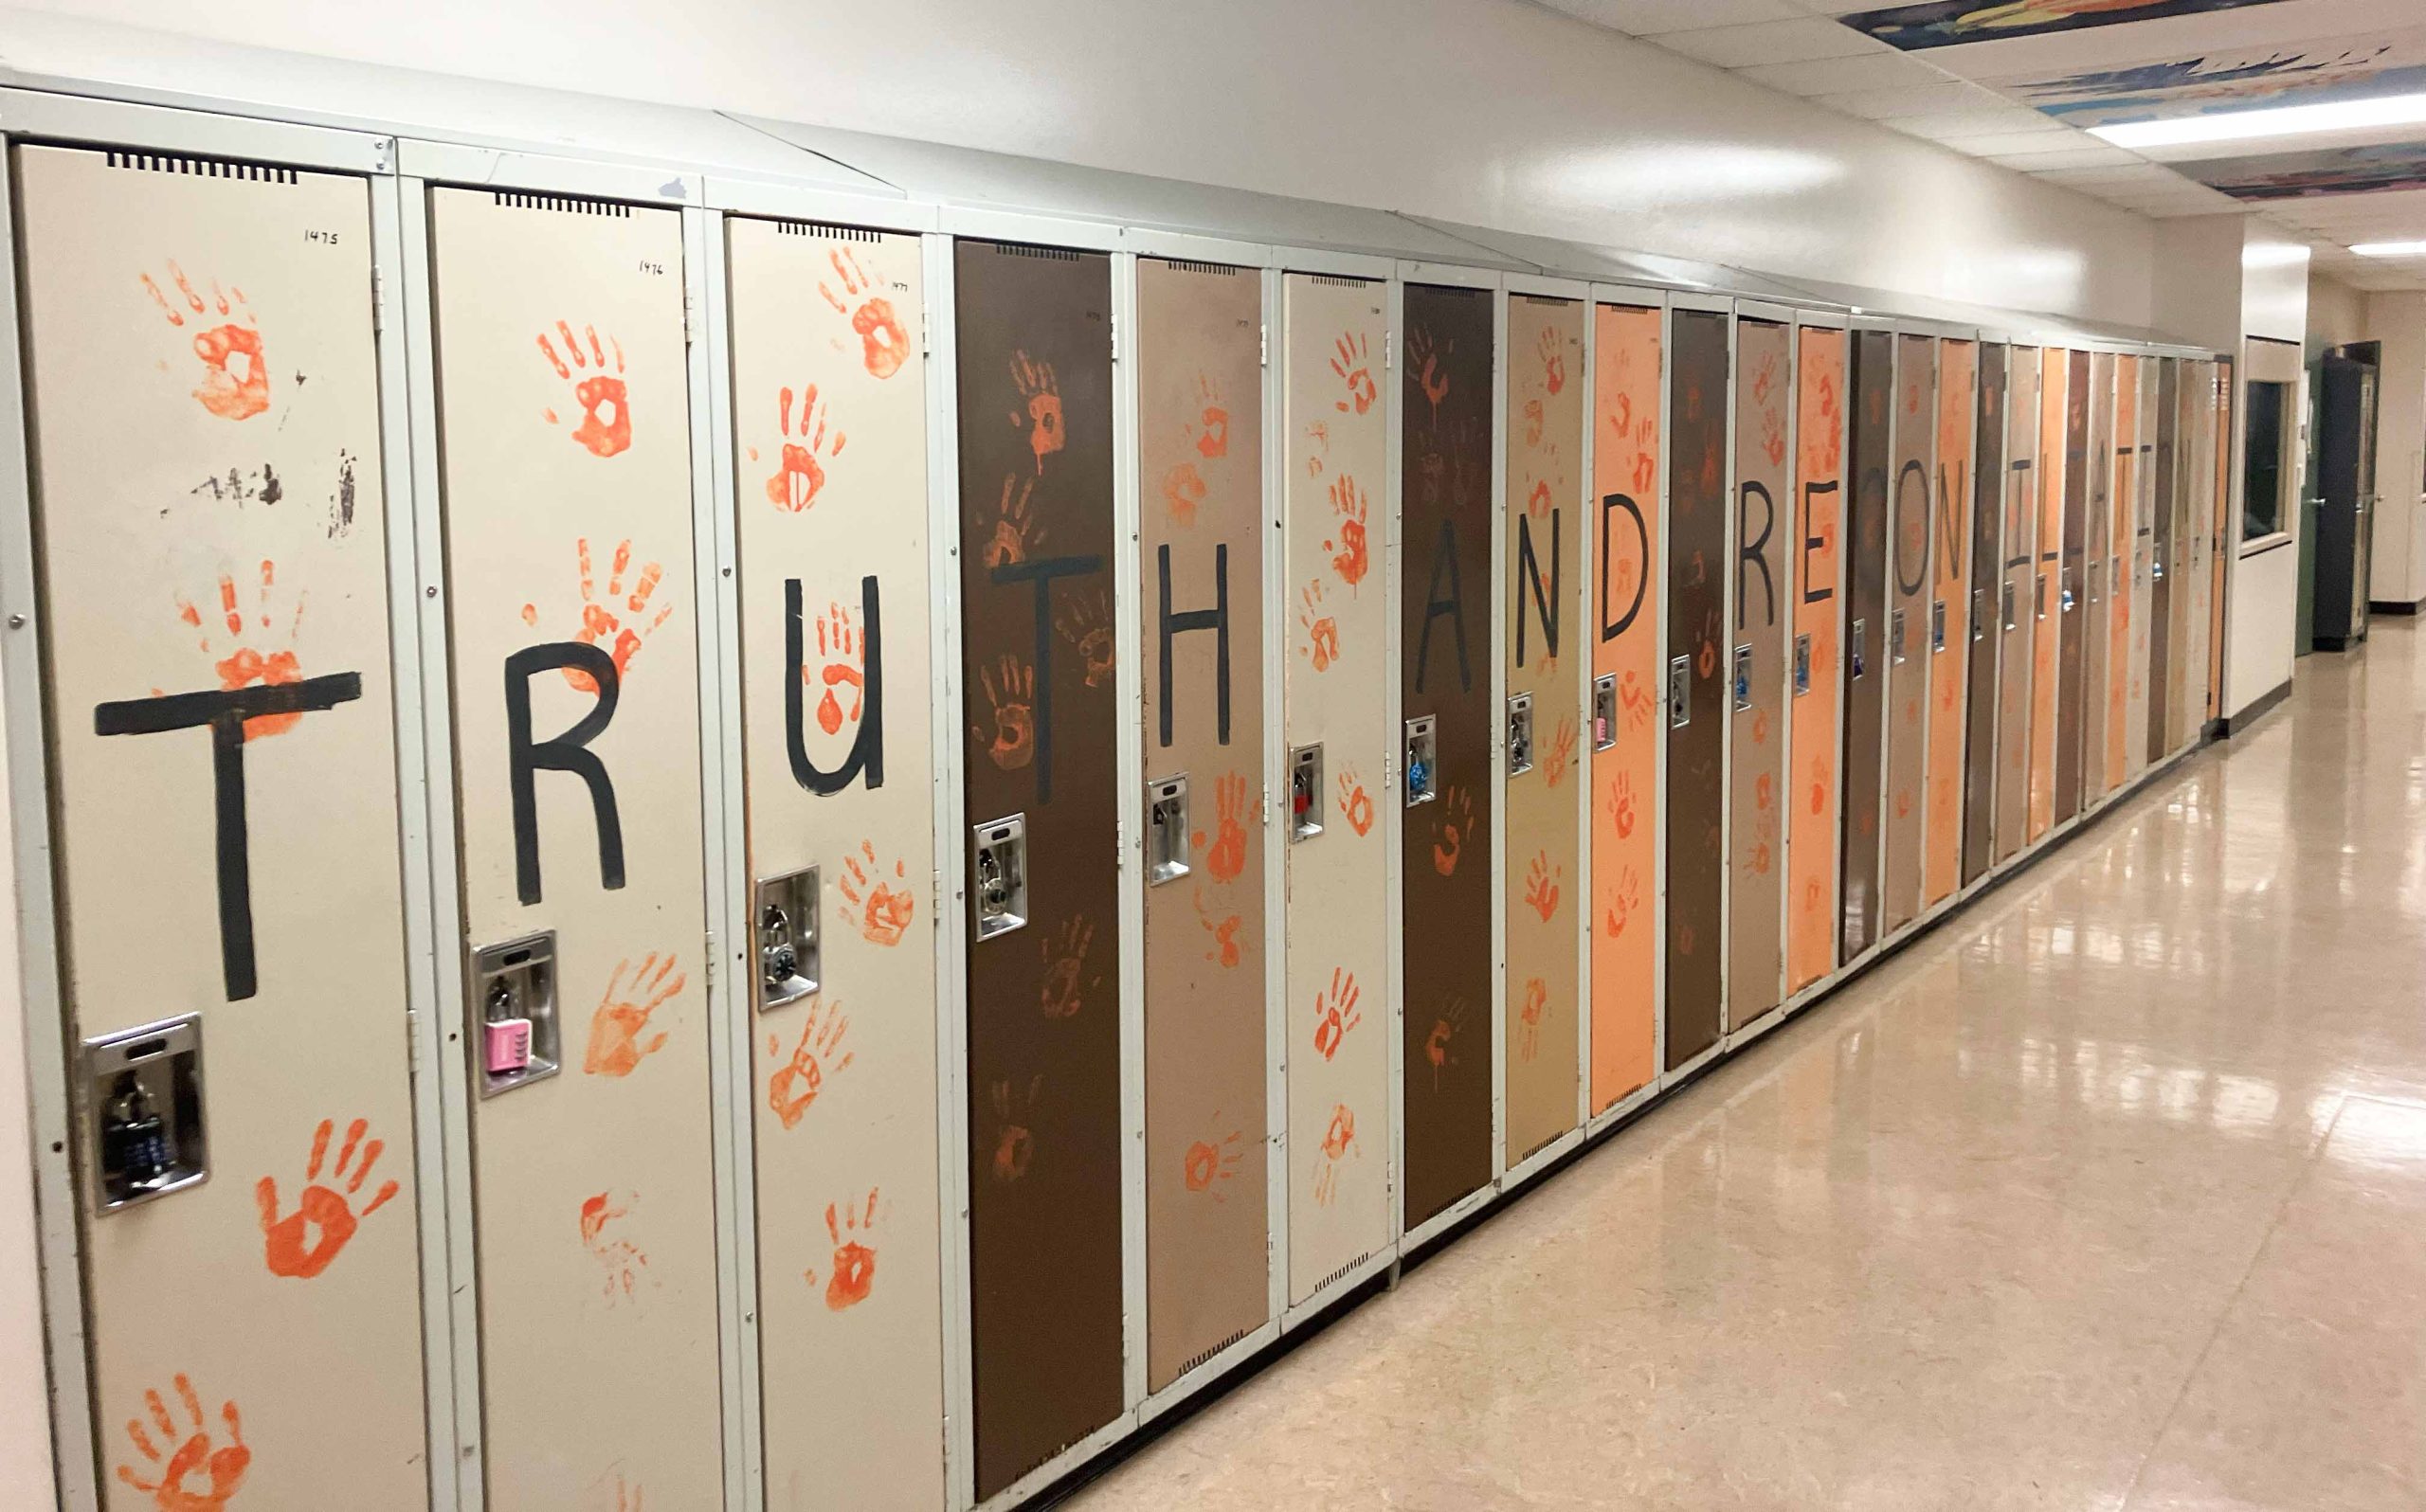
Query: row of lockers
column 818, row 866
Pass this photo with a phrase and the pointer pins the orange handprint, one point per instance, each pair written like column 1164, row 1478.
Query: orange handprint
column 1450, row 828
column 1086, row 623
column 1554, row 360
column 1213, row 425
column 1041, row 414
column 321, row 1208
column 1010, row 688
column 1339, row 1141
column 1017, row 530
column 1226, row 950
column 879, row 910
column 1540, row 502
column 1541, row 886
column 1622, row 902
column 1335, row 1012
column 886, row 345
column 797, row 1082
column 1636, row 699
column 1355, row 804
column 600, row 433
column 1062, row 994
column 1533, row 419
column 1182, row 491
column 244, row 665
column 238, row 392
column 854, row 1270
column 1014, row 1145
column 1621, row 806
column 839, row 643
column 1423, row 361
column 599, row 617
column 1347, row 556
column 616, row 1024
column 1228, row 855
column 1322, row 631
column 1437, row 1052
column 1537, row 999
column 220, row 1468
column 623, row 1260
column 1561, row 752
column 1211, row 1161
column 1354, row 366
column 801, row 473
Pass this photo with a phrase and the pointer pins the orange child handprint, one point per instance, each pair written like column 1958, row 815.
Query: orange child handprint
column 235, row 378
column 845, row 667
column 1529, row 1018
column 1542, row 885
column 1041, row 411
column 1061, row 993
column 620, row 1019
column 1353, row 363
column 1621, row 805
column 1016, row 530
column 1014, row 1145
column 1339, row 1141
column 1636, row 699
column 1209, row 1163
column 1347, row 547
column 1437, row 1052
column 885, row 344
column 244, row 665
column 1451, row 829
column 1623, row 901
column 1355, row 804
column 1423, row 361
column 1553, row 355
column 1226, row 951
column 849, row 1225
column 1011, row 688
column 877, row 910
column 796, row 1083
column 800, row 472
column 1228, row 855
column 1322, row 631
column 605, row 426
column 613, row 618
column 1335, row 1012
column 186, row 1472
column 291, row 1244
column 1561, row 752
column 622, row 1259
column 1212, row 427
column 1540, row 502
column 1183, row 489
column 1086, row 623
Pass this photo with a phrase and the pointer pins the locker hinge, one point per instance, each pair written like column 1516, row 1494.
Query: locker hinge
column 924, row 350
column 712, row 961
column 1388, row 352
column 1264, row 345
column 378, row 301
column 1114, row 324
column 687, row 322
column 412, row 1036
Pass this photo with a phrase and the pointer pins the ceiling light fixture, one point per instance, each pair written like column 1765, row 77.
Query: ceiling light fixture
column 2391, row 249
column 2285, row 121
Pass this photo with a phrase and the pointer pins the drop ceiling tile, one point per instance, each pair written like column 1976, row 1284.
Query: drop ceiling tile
column 2122, row 175
column 1880, row 104
column 1987, row 118
column 1883, row 69
column 2089, row 156
column 1652, row 18
column 1770, row 42
column 2049, row 137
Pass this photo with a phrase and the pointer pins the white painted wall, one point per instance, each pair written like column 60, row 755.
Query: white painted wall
column 2399, row 572
column 1487, row 112
column 2337, row 314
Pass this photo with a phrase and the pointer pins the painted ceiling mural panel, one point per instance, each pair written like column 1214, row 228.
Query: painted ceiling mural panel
column 1951, row 22
column 2304, row 175
column 2340, row 68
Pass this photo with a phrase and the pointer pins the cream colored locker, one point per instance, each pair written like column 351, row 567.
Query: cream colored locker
column 2145, row 702
column 829, row 406
column 562, row 400
column 205, row 417
column 2198, row 486
column 1339, row 946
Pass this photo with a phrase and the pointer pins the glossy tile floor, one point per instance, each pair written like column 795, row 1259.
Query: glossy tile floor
column 2110, row 1194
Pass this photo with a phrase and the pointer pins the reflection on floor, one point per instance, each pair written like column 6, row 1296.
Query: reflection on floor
column 2108, row 1195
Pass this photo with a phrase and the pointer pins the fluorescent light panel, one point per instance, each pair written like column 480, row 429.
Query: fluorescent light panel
column 2286, row 120
column 2391, row 249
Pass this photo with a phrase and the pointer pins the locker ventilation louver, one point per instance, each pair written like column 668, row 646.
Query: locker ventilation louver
column 1219, row 269
column 564, row 204
column 201, row 167
column 831, row 233
column 1060, row 254
column 1332, row 281
column 1546, row 300
column 1205, row 1356
column 1346, row 1270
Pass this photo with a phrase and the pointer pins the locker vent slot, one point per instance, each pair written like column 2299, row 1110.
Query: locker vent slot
column 1191, row 265
column 1546, row 301
column 567, row 204
column 1343, row 1270
column 831, row 233
column 1332, row 281
column 202, row 167
column 1206, row 1357
column 1060, row 254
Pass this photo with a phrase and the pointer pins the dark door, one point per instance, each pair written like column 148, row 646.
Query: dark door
column 1874, row 383
column 1698, row 678
column 2345, row 483
column 2160, row 554
column 1988, row 568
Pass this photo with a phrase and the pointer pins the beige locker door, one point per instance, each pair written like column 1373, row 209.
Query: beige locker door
column 567, row 487
column 1339, row 946
column 213, row 562
column 2145, row 702
column 829, row 404
column 2015, row 627
column 1761, row 658
column 2199, row 487
column 1546, row 660
column 1199, row 638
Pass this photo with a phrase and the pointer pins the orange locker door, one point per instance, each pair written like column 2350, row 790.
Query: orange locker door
column 1757, row 734
column 1949, row 638
column 1816, row 671
column 2072, row 607
column 2046, row 593
column 2167, row 465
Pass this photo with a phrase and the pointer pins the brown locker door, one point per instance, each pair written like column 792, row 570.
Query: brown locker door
column 2097, row 600
column 2190, row 452
column 1544, row 866
column 2143, row 506
column 2167, row 465
column 2121, row 554
column 1950, row 615
column 2071, row 671
column 1446, row 646
column 2045, row 609
column 1907, row 629
column 1626, row 733
column 1818, row 673
column 1981, row 632
column 1036, row 492
column 1756, row 771
column 1865, row 638
column 2016, row 625
column 1697, row 681
column 1200, row 644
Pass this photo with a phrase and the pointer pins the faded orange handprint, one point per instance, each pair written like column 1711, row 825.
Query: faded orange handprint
column 1623, row 901
column 629, row 1495
column 1423, row 361
column 623, row 1260
column 1339, row 1141
column 1213, row 423
column 1539, row 502
column 1210, row 1163
column 600, row 617
column 1017, row 530
column 1335, row 1012
column 1818, row 785
column 1042, row 413
column 796, row 1083
column 1226, row 950
column 800, row 471
column 1228, row 855
column 1450, row 828
column 1354, row 366
column 1636, row 699
column 605, row 426
column 289, row 1245
column 1010, row 688
column 1529, row 1018
column 235, row 377
column 194, row 1475
column 616, row 1025
column 1355, row 804
column 1014, row 1145
column 1621, row 805
column 1182, row 491
column 1086, row 623
column 1062, row 994
column 244, row 665
column 1437, row 1051
column 845, row 666
column 1760, row 727
column 1322, row 631
column 854, row 1269
column 877, row 910
column 1561, row 752
column 1541, row 885
column 1348, row 555
column 885, row 344
column 1554, row 360
column 1533, row 419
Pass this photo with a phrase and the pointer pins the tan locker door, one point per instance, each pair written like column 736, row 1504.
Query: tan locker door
column 1199, row 644
column 2014, row 625
column 2199, row 476
column 1759, row 638
column 1947, row 635
column 2122, row 520
column 829, row 404
column 2147, row 701
column 1627, row 733
column 2046, row 591
column 1544, row 859
column 1910, row 569
column 562, row 398
column 1334, row 401
column 205, row 418
column 1818, row 666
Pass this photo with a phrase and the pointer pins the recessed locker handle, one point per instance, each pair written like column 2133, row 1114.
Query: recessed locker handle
column 1856, row 649
column 998, row 875
column 1305, row 792
column 1978, row 614
column 1605, row 711
column 1743, row 678
column 517, row 1038
column 1680, row 692
column 1165, row 830
column 1422, row 760
column 1520, row 734
column 142, row 1093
